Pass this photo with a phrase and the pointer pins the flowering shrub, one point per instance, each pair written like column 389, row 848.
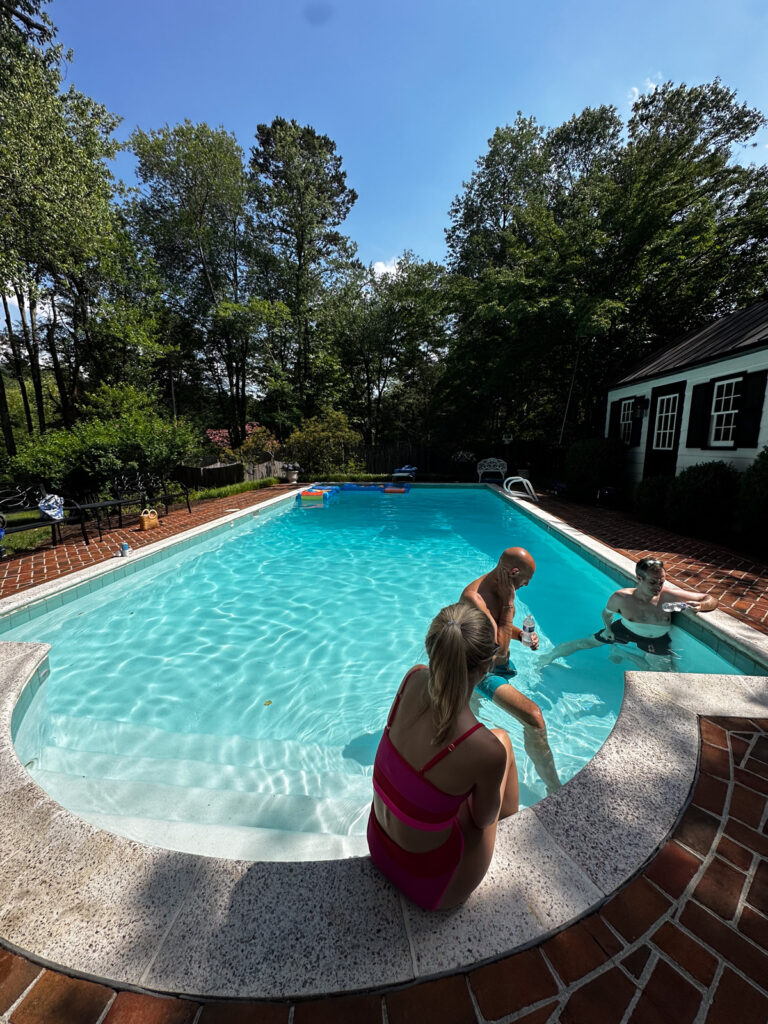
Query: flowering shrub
column 222, row 439
column 259, row 442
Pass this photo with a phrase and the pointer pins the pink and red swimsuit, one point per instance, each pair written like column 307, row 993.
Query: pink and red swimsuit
column 414, row 800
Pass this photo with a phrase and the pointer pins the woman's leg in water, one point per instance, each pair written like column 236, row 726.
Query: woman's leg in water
column 479, row 842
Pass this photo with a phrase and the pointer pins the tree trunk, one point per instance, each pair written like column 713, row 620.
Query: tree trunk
column 33, row 354
column 5, row 419
column 50, row 339
column 18, row 367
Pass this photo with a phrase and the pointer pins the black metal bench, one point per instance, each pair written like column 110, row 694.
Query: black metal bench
column 20, row 511
column 139, row 490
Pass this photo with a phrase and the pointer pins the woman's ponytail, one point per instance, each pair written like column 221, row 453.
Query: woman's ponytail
column 459, row 639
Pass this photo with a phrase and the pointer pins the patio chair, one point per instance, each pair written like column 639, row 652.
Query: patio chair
column 406, row 474
column 493, row 470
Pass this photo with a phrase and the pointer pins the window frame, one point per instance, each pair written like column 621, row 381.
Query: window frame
column 715, row 417
column 669, row 426
column 625, row 419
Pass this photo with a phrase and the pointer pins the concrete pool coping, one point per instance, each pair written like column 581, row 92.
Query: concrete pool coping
column 112, row 909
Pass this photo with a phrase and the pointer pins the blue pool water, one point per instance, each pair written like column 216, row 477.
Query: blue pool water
column 242, row 683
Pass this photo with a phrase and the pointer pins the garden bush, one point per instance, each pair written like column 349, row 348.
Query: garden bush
column 86, row 458
column 701, row 501
column 325, row 445
column 650, row 504
column 592, row 464
column 227, row 492
column 752, row 506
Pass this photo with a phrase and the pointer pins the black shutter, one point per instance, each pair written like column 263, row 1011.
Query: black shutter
column 750, row 409
column 614, row 422
column 700, row 415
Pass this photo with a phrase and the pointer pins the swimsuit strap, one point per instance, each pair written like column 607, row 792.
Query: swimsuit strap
column 450, row 748
column 400, row 693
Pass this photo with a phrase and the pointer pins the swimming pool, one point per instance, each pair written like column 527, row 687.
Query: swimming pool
column 228, row 699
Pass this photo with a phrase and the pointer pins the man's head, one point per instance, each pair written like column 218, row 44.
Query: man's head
column 650, row 573
column 516, row 567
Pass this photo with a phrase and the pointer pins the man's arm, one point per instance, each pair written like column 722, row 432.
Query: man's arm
column 697, row 602
column 611, row 609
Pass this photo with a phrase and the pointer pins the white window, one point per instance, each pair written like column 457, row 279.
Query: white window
column 725, row 406
column 625, row 420
column 666, row 417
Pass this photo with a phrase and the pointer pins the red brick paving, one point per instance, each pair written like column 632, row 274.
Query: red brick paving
column 687, row 940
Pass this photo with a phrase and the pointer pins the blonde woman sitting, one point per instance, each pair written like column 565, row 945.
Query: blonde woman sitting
column 442, row 780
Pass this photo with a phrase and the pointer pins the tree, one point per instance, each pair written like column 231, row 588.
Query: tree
column 301, row 197
column 576, row 252
column 193, row 215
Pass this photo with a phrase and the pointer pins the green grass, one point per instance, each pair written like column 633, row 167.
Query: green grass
column 28, row 540
column 227, row 492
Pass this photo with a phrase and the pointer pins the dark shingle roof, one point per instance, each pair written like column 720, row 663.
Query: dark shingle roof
column 725, row 337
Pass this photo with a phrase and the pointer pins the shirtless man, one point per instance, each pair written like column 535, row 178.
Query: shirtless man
column 494, row 595
column 642, row 622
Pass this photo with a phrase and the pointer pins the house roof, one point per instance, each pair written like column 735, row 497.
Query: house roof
column 725, row 337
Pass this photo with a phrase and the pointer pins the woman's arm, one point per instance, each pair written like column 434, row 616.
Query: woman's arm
column 484, row 802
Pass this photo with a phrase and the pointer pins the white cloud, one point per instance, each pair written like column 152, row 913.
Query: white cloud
column 380, row 268
column 650, row 85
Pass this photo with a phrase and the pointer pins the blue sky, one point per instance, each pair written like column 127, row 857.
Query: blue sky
column 409, row 91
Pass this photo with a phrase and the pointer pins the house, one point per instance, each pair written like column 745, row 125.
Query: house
column 699, row 399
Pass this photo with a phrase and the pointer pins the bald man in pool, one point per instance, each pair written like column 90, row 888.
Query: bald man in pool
column 494, row 595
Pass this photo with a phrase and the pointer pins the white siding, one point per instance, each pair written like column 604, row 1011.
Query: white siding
column 741, row 458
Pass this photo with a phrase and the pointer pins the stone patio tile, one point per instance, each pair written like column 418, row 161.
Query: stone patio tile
column 666, row 997
column 446, row 1000
column 509, row 985
column 244, row 1013
column 710, row 793
column 754, row 926
column 714, row 734
column 724, row 940
column 733, row 991
column 16, row 974
column 57, row 999
column 747, row 806
column 635, row 909
column 635, row 962
column 735, row 854
column 697, row 830
column 604, row 999
column 362, row 1009
column 136, row 1008
column 574, row 953
column 320, row 909
column 531, row 886
column 747, row 837
column 114, row 900
column 757, row 896
column 686, row 952
column 719, row 888
column 672, row 869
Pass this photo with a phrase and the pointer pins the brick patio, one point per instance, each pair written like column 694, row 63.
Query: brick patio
column 685, row 942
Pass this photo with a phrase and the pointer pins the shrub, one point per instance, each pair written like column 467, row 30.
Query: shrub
column 591, row 464
column 86, row 458
column 752, row 506
column 701, row 499
column 259, row 443
column 651, row 499
column 324, row 445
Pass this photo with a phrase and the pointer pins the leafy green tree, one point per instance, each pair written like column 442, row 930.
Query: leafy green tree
column 194, row 217
column 301, row 197
column 325, row 444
